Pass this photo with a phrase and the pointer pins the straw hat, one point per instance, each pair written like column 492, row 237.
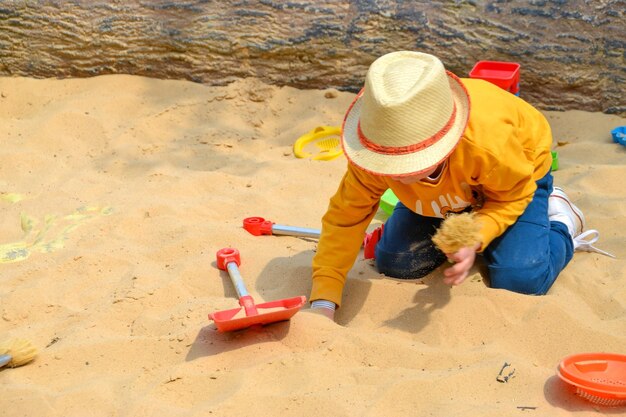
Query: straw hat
column 408, row 117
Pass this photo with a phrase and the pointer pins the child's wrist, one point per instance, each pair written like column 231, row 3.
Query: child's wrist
column 328, row 305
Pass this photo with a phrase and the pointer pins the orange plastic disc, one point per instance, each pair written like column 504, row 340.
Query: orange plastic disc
column 596, row 374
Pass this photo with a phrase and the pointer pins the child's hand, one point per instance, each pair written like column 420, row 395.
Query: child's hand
column 463, row 260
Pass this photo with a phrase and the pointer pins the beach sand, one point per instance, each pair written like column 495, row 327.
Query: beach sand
column 117, row 191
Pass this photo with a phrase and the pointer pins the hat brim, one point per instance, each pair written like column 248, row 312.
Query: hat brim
column 410, row 163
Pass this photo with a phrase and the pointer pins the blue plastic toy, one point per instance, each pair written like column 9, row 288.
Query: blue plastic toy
column 619, row 135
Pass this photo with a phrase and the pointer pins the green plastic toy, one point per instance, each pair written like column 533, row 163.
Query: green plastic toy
column 555, row 161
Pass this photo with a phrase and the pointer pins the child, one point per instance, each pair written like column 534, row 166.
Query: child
column 446, row 145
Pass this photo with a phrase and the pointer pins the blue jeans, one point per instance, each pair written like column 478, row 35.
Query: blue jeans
column 526, row 258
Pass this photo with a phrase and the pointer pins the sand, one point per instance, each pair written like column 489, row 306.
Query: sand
column 117, row 191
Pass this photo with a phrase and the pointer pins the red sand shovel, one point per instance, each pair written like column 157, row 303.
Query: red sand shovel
column 228, row 259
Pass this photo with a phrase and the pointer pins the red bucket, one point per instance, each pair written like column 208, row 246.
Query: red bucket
column 503, row 74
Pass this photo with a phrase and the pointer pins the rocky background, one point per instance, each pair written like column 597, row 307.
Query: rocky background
column 571, row 52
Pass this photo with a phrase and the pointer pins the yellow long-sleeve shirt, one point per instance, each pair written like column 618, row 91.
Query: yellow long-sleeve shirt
column 504, row 150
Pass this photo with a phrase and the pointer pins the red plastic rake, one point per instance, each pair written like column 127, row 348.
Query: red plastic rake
column 259, row 226
column 228, row 259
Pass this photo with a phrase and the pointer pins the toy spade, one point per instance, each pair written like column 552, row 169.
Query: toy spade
column 228, row 259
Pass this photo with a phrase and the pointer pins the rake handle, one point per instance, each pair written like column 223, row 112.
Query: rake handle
column 259, row 226
column 278, row 229
column 229, row 259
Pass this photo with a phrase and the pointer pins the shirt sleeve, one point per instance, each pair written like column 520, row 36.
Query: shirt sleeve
column 508, row 189
column 349, row 213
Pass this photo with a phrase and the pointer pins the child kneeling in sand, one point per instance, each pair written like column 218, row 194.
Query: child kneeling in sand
column 446, row 145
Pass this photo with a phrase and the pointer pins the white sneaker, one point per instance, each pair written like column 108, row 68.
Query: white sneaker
column 561, row 209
